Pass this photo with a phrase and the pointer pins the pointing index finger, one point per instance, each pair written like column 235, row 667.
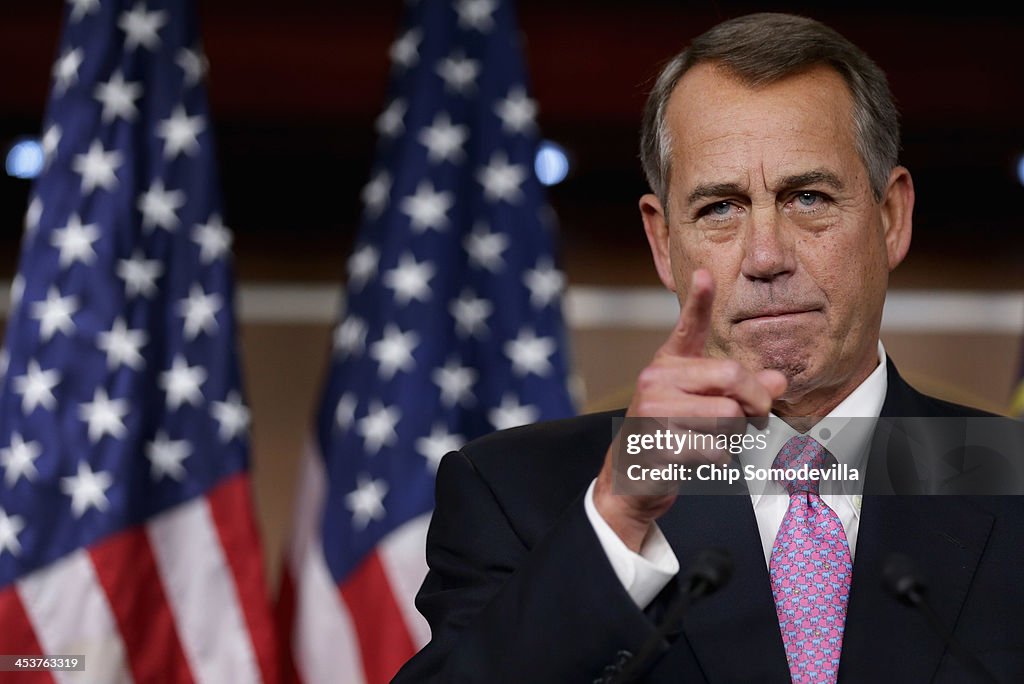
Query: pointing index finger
column 691, row 331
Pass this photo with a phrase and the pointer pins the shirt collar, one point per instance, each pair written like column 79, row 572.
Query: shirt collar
column 847, row 440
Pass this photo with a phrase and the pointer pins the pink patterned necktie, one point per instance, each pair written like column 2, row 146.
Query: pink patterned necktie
column 810, row 570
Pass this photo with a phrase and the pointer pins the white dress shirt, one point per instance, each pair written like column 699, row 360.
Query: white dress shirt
column 646, row 573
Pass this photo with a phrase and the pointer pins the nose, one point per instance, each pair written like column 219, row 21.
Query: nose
column 768, row 250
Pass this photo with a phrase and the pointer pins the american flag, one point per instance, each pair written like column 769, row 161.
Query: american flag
column 126, row 526
column 453, row 329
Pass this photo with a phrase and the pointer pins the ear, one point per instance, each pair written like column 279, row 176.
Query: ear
column 897, row 215
column 656, row 227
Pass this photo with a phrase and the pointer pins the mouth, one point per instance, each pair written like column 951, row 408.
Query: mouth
column 774, row 315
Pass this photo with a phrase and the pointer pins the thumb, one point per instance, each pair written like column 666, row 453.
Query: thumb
column 773, row 381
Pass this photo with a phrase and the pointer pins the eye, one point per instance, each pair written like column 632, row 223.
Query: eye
column 809, row 201
column 718, row 210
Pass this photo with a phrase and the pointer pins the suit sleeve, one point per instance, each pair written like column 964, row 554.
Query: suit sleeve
column 501, row 611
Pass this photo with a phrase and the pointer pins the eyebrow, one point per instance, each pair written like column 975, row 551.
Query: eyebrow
column 817, row 176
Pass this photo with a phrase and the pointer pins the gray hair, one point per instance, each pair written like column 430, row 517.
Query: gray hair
column 764, row 48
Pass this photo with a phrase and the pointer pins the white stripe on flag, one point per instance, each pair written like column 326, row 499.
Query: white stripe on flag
column 71, row 615
column 325, row 645
column 202, row 595
column 404, row 557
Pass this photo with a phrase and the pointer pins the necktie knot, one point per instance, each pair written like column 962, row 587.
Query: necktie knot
column 799, row 451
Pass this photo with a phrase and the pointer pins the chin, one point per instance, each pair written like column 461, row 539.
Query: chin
column 791, row 356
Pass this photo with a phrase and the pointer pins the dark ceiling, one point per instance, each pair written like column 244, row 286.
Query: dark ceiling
column 295, row 87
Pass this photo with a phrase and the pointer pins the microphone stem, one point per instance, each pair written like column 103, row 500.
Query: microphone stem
column 966, row 658
column 675, row 611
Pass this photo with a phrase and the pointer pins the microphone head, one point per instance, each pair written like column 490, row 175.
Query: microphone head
column 900, row 577
column 710, row 571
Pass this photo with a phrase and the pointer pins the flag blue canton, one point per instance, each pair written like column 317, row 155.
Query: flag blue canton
column 453, row 326
column 121, row 391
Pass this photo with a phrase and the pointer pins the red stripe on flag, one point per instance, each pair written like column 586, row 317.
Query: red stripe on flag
column 17, row 637
column 384, row 639
column 232, row 511
column 126, row 569
column 285, row 619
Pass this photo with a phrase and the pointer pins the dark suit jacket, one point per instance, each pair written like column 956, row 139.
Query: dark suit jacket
column 520, row 590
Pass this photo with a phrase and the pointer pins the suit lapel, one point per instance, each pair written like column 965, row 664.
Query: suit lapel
column 945, row 538
column 740, row 618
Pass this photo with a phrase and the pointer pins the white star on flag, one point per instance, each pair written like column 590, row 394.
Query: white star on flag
column 345, row 411
column 393, row 352
column 439, row 442
column 50, row 142
column 545, row 283
column 501, row 180
column 118, row 98
column 214, row 239
column 199, row 311
column 166, row 455
column 123, row 346
column 180, row 133
column 19, row 460
column 87, row 489
column 75, row 241
column 362, row 266
column 476, row 14
column 444, row 140
column 10, row 527
column 456, row 383
column 405, row 51
column 193, row 63
column 32, row 216
column 485, row 248
column 232, row 417
column 182, row 383
column 410, row 279
column 459, row 73
column 139, row 275
column 97, row 168
column 159, row 207
column 389, row 124
column 377, row 427
column 36, row 387
column 470, row 313
column 366, row 501
column 529, row 353
column 80, row 8
column 65, row 70
column 54, row 314
column 141, row 27
column 511, row 413
column 350, row 336
column 517, row 111
column 427, row 208
column 17, row 290
column 104, row 415
column 376, row 194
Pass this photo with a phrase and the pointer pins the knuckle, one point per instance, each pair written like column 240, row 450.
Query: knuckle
column 731, row 372
column 648, row 377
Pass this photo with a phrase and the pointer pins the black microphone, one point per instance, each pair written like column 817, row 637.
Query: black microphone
column 709, row 572
column 902, row 580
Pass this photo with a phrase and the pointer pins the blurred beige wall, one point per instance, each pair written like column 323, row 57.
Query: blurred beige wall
column 284, row 365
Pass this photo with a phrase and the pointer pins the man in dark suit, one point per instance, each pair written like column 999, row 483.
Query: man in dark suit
column 778, row 210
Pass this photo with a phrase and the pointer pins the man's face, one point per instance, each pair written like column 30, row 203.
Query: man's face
column 768, row 193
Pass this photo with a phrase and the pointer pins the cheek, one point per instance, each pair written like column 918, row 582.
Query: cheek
column 851, row 273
